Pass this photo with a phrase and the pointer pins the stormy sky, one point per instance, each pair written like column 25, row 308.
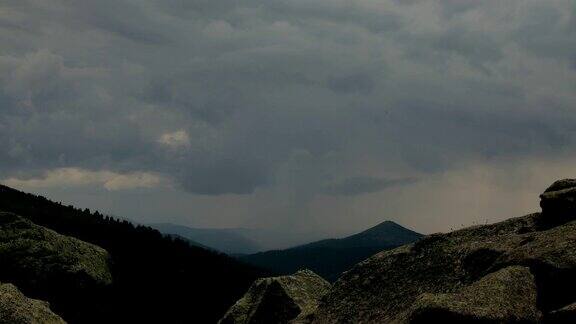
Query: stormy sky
column 316, row 116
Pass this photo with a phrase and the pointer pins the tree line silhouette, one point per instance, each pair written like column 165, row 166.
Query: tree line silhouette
column 156, row 278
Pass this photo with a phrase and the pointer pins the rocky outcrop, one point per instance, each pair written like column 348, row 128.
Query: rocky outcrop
column 558, row 202
column 285, row 299
column 34, row 255
column 67, row 272
column 15, row 308
column 505, row 296
column 519, row 270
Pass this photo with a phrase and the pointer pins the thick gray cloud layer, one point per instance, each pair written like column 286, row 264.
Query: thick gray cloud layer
column 362, row 185
column 281, row 97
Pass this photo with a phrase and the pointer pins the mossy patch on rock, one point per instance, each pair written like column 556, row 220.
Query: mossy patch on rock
column 284, row 299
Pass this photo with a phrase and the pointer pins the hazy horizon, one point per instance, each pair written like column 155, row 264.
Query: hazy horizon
column 322, row 117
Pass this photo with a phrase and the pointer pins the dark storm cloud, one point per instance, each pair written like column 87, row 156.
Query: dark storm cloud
column 228, row 176
column 226, row 97
column 362, row 185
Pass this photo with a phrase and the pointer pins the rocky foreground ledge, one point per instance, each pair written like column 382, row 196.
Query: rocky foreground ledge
column 521, row 270
column 42, row 263
column 36, row 256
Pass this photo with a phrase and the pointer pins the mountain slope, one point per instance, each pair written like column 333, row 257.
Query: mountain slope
column 329, row 258
column 155, row 279
column 225, row 240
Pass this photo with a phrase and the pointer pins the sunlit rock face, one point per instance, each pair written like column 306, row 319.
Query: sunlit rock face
column 517, row 271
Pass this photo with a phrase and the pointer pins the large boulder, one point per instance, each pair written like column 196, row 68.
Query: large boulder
column 15, row 308
column 285, row 299
column 67, row 272
column 453, row 274
column 34, row 255
column 558, row 202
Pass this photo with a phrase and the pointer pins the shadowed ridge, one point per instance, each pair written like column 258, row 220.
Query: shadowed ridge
column 330, row 257
column 385, row 234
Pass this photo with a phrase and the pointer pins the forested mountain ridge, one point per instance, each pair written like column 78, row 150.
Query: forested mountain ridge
column 155, row 278
column 330, row 257
column 387, row 233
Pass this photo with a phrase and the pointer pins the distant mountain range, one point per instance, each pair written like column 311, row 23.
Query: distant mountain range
column 235, row 241
column 226, row 240
column 329, row 258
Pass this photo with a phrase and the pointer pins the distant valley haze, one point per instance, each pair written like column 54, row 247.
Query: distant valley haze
column 241, row 241
column 236, row 240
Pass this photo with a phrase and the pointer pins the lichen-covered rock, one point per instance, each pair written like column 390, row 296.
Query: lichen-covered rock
column 386, row 287
column 505, row 296
column 36, row 257
column 15, row 308
column 284, row 299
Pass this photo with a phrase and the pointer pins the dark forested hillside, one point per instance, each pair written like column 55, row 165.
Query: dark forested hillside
column 156, row 278
column 329, row 258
